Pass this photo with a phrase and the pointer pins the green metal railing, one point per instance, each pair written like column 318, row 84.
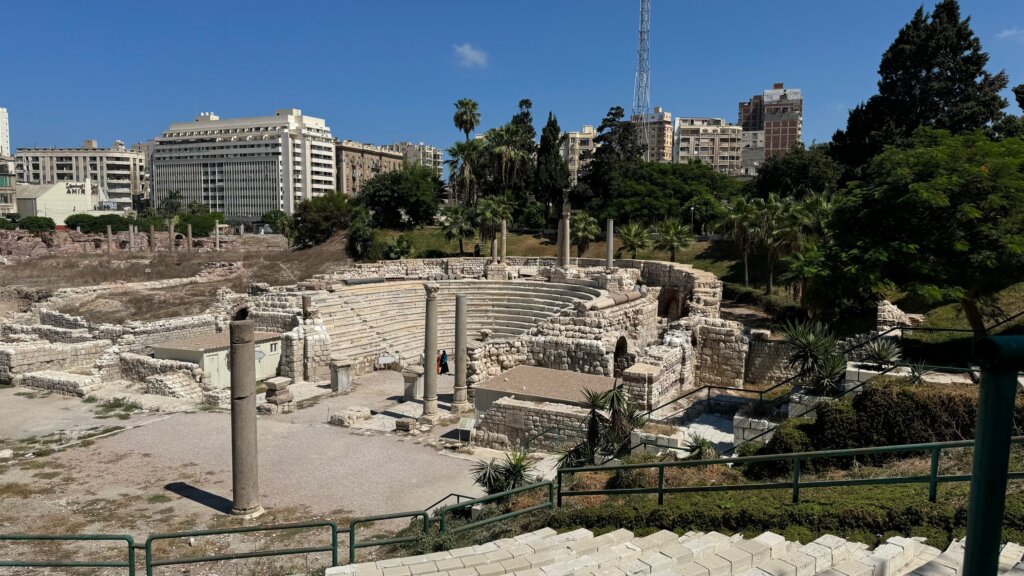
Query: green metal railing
column 128, row 562
column 492, row 497
column 933, row 479
column 152, row 562
column 354, row 545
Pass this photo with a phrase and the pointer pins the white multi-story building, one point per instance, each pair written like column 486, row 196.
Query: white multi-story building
column 5, row 133
column 8, row 184
column 420, row 154
column 713, row 141
column 577, row 150
column 244, row 167
column 115, row 173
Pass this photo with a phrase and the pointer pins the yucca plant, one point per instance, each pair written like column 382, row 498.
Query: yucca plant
column 884, row 352
column 700, row 448
column 514, row 471
column 828, row 374
column 917, row 373
column 810, row 343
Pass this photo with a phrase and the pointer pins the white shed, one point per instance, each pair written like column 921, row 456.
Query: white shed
column 212, row 354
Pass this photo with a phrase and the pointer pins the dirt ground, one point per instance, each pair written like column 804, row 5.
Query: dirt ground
column 264, row 259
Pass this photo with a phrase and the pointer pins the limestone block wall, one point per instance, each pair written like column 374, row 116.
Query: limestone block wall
column 9, row 332
column 138, row 368
column 767, row 360
column 59, row 382
column 293, row 354
column 38, row 356
column 575, row 355
column 61, row 320
column 146, row 334
column 317, row 352
column 487, row 359
column 517, row 421
column 744, row 428
column 721, row 353
column 686, row 291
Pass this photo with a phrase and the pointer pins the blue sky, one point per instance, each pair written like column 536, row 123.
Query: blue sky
column 389, row 70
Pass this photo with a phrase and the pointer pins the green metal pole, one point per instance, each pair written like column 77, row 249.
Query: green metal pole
column 1000, row 358
column 933, row 476
column 796, row 480
column 661, row 485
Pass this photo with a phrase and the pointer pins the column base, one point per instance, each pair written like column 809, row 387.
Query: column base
column 461, row 407
column 496, row 272
column 430, row 419
column 253, row 512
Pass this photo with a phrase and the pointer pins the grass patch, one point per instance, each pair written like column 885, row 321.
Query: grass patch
column 17, row 490
column 307, row 403
column 120, row 408
column 158, row 499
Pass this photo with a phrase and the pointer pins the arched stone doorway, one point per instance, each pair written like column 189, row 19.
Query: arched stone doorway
column 623, row 358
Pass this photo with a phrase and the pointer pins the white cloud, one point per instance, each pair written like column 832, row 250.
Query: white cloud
column 1014, row 33
column 470, row 56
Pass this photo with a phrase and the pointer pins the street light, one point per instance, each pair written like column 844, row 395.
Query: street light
column 691, row 220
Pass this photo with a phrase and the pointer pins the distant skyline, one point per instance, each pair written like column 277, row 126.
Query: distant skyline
column 390, row 70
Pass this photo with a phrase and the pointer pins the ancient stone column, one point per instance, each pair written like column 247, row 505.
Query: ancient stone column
column 504, row 241
column 430, row 414
column 188, row 237
column 216, row 235
column 566, row 238
column 152, row 238
column 494, row 250
column 558, row 243
column 110, row 241
column 241, row 230
column 244, row 457
column 609, row 254
column 170, row 234
column 460, row 400
column 131, row 238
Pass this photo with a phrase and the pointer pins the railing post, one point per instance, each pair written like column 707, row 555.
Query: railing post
column 551, row 494
column 661, row 485
column 334, row 544
column 149, row 556
column 351, row 543
column 443, row 525
column 1000, row 358
column 796, row 480
column 131, row 556
column 708, row 409
column 933, row 478
column 559, row 476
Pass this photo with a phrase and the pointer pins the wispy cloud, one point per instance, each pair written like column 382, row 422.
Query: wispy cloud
column 1015, row 33
column 469, row 56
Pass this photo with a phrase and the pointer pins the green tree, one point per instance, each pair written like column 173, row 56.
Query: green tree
column 552, row 179
column 633, row 238
column 706, row 211
column 741, row 227
column 490, row 211
column 465, row 163
column 467, row 116
column 618, row 154
column 364, row 243
column 457, row 224
column 932, row 75
column 583, row 230
column 278, row 220
column 672, row 236
column 197, row 208
column 170, row 206
column 774, row 232
column 318, row 218
column 943, row 219
column 402, row 199
column 37, row 224
column 797, row 173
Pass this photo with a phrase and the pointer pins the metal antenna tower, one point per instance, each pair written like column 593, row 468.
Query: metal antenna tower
column 642, row 86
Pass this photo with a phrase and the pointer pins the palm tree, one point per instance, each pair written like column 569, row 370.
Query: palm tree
column 584, row 230
column 514, row 471
column 464, row 163
column 507, row 157
column 457, row 224
column 467, row 115
column 672, row 236
column 594, row 402
column 634, row 237
column 490, row 211
column 740, row 221
column 774, row 231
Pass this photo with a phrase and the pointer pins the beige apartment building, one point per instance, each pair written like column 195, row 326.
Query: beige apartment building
column 713, row 141
column 8, row 184
column 577, row 150
column 115, row 173
column 778, row 114
column 658, row 125
column 245, row 167
column 420, row 155
column 358, row 162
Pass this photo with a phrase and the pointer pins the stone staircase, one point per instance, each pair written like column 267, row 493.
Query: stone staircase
column 664, row 553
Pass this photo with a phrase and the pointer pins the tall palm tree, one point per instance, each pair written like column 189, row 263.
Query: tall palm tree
column 507, row 156
column 464, row 162
column 740, row 222
column 584, row 230
column 490, row 211
column 634, row 238
column 467, row 116
column 672, row 236
column 774, row 232
column 594, row 402
column 457, row 224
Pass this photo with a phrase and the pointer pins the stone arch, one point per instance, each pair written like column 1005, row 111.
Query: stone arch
column 623, row 358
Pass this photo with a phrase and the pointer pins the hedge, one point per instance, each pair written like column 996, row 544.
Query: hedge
column 37, row 224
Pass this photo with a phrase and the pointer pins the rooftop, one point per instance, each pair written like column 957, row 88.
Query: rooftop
column 548, row 384
column 211, row 342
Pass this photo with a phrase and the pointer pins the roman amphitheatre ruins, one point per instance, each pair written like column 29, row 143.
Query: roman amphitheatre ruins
column 116, row 395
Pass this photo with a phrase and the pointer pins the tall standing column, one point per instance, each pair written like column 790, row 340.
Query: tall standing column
column 558, row 243
column 188, row 237
column 170, row 235
column 609, row 254
column 504, row 242
column 494, row 250
column 566, row 240
column 460, row 399
column 430, row 414
column 131, row 238
column 110, row 241
column 152, row 238
column 244, row 456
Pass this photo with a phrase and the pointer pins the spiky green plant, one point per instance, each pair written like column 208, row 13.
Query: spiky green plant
column 810, row 343
column 829, row 374
column 700, row 448
column 883, row 352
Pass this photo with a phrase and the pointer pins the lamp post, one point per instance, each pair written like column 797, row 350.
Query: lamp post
column 691, row 221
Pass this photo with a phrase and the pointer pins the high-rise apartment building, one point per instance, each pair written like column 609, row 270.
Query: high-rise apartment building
column 577, row 150
column 358, row 162
column 713, row 141
column 114, row 173
column 245, row 167
column 658, row 125
column 8, row 184
column 751, row 152
column 5, row 133
column 420, row 154
column 779, row 112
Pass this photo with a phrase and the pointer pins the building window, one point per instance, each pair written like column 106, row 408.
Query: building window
column 273, row 346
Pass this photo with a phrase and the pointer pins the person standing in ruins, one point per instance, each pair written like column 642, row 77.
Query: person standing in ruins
column 438, row 362
column 444, row 362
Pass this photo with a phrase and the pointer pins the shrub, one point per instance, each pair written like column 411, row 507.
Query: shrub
column 84, row 221
column 780, row 308
column 891, row 412
column 883, row 351
column 37, row 224
column 836, row 426
column 791, row 436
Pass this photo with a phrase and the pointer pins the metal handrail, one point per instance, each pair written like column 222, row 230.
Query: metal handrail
column 353, row 545
column 498, row 496
column 129, row 562
column 458, row 498
column 795, row 484
column 332, row 548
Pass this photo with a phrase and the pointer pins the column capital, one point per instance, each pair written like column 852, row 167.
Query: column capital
column 432, row 288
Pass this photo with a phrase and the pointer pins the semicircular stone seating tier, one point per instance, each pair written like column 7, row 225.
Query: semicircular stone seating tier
column 367, row 321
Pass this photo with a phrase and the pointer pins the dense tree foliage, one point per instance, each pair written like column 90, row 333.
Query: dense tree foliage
column 403, row 198
column 318, row 218
column 797, row 173
column 552, row 179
